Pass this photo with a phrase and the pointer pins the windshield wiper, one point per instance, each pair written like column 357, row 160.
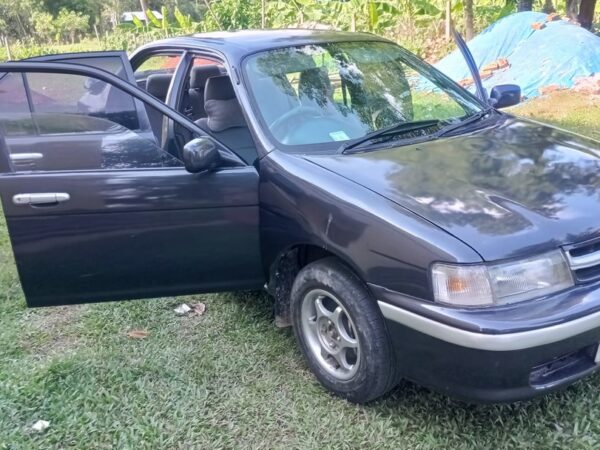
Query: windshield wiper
column 469, row 120
column 398, row 128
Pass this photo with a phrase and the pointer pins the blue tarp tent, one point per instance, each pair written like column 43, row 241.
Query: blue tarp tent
column 558, row 54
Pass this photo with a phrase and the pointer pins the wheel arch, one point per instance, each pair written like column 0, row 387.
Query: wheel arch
column 285, row 267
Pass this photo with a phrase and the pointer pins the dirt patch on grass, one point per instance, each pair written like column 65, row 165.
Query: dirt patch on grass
column 49, row 332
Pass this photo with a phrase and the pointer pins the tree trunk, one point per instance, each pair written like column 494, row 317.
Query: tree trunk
column 448, row 19
column 586, row 13
column 469, row 19
column 548, row 7
column 144, row 6
column 525, row 5
column 21, row 25
column 7, row 45
column 573, row 9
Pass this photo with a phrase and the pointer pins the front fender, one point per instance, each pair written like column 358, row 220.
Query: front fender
column 384, row 243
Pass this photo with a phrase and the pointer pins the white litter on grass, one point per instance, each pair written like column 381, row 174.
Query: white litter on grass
column 40, row 425
column 196, row 309
column 182, row 309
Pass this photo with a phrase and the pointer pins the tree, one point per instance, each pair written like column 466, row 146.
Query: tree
column 468, row 5
column 90, row 8
column 43, row 24
column 233, row 15
column 15, row 17
column 582, row 11
column 586, row 13
column 69, row 23
column 548, row 7
column 448, row 19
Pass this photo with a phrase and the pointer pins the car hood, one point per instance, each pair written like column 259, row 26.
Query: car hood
column 506, row 190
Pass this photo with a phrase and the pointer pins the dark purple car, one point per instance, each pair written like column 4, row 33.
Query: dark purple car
column 405, row 227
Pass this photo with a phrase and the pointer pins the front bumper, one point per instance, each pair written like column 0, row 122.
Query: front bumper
column 496, row 355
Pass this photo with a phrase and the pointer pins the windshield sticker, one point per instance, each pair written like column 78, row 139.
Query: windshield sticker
column 339, row 136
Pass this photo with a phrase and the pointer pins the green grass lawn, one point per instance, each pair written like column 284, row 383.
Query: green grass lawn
column 566, row 109
column 229, row 379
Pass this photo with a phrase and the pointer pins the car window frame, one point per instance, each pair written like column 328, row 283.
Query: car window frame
column 143, row 120
column 128, row 88
column 263, row 143
column 184, row 70
column 150, row 54
column 176, row 92
column 271, row 143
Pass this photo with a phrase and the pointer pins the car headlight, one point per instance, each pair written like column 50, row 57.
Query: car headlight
column 501, row 283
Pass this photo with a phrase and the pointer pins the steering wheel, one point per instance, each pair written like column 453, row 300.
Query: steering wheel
column 280, row 126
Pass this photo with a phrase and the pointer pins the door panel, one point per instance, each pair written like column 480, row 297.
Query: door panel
column 131, row 221
column 128, row 234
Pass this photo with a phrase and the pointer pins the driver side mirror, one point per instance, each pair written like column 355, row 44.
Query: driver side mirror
column 505, row 95
column 201, row 154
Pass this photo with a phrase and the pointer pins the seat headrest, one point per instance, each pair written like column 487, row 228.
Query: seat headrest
column 222, row 107
column 200, row 74
column 315, row 84
column 219, row 88
column 158, row 85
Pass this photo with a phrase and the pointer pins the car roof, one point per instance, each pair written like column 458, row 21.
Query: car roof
column 237, row 44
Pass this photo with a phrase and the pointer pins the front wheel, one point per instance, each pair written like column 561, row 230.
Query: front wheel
column 341, row 332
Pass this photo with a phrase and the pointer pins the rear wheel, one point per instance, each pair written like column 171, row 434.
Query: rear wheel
column 341, row 332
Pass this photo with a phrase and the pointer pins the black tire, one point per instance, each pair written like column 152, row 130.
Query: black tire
column 375, row 373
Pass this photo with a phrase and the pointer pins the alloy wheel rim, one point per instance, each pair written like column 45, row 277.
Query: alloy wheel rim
column 330, row 334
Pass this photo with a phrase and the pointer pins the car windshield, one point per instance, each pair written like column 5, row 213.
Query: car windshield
column 317, row 97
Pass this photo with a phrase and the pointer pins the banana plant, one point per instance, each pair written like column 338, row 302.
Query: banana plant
column 183, row 23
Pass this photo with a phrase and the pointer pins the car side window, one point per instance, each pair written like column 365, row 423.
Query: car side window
column 75, row 122
column 55, row 93
column 13, row 103
column 155, row 73
column 191, row 102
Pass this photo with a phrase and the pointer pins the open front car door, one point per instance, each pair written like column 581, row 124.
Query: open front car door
column 98, row 210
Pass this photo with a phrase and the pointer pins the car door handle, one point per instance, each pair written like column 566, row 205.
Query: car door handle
column 20, row 157
column 45, row 198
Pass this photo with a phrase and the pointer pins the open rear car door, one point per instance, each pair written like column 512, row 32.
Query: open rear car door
column 98, row 210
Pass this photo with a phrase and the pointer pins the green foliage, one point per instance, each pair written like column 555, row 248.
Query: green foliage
column 14, row 17
column 44, row 26
column 416, row 24
column 89, row 8
column 234, row 15
column 69, row 23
